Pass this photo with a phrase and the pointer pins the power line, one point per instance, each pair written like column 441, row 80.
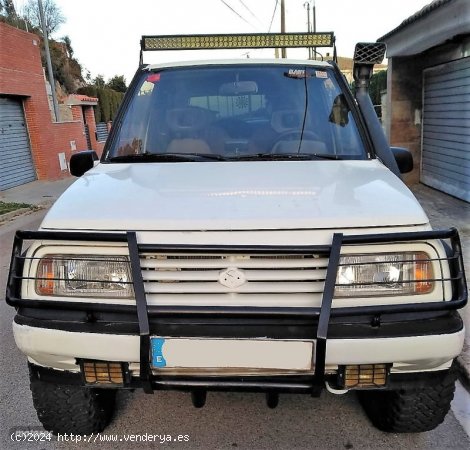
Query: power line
column 249, row 10
column 235, row 12
column 272, row 18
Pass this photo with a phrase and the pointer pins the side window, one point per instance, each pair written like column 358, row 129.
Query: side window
column 332, row 118
column 133, row 130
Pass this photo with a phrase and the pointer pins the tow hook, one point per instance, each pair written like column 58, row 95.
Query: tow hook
column 272, row 399
column 198, row 398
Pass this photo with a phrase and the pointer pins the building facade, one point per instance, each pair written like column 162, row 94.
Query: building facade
column 428, row 94
column 32, row 145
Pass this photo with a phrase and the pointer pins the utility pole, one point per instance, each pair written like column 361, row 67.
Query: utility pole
column 283, row 26
column 314, row 29
column 48, row 59
column 307, row 6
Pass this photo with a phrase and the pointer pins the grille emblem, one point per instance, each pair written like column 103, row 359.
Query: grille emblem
column 232, row 277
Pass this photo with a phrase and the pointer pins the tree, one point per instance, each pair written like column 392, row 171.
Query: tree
column 68, row 46
column 52, row 15
column 9, row 7
column 98, row 81
column 108, row 101
column 10, row 15
column 378, row 83
column 117, row 83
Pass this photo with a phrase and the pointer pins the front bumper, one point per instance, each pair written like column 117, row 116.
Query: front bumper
column 61, row 350
column 413, row 336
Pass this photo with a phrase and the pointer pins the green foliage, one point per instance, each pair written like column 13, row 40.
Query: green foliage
column 117, row 83
column 90, row 90
column 108, row 101
column 9, row 15
column 9, row 207
column 98, row 81
column 67, row 71
column 68, row 45
column 378, row 83
column 105, row 104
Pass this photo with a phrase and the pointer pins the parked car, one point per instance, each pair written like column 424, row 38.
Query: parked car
column 246, row 229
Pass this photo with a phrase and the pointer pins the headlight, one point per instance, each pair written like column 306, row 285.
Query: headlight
column 84, row 276
column 366, row 275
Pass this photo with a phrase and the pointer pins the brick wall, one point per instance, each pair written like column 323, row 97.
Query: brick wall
column 405, row 96
column 21, row 75
column 90, row 120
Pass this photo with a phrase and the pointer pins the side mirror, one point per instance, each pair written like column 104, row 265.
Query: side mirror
column 403, row 158
column 82, row 162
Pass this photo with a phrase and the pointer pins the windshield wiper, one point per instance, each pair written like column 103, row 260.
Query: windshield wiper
column 166, row 157
column 286, row 157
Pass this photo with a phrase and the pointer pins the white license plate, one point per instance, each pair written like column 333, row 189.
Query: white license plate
column 231, row 353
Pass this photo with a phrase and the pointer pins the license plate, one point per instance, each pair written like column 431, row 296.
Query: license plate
column 231, row 353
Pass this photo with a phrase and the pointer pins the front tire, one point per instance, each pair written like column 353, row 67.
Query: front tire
column 410, row 410
column 72, row 409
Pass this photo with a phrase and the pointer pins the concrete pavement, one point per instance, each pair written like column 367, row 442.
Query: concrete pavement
column 443, row 211
column 38, row 193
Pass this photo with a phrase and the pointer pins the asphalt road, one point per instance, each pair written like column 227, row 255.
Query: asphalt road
column 228, row 421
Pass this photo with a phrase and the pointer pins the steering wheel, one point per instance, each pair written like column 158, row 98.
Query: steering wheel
column 291, row 135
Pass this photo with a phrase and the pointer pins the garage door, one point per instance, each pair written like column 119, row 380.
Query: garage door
column 16, row 165
column 445, row 163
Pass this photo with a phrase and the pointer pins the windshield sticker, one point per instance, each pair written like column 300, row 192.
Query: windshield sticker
column 153, row 78
column 321, row 74
column 295, row 73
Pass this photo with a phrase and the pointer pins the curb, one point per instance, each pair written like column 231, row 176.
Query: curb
column 7, row 217
column 463, row 374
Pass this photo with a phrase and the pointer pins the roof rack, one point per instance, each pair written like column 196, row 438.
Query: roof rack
column 235, row 41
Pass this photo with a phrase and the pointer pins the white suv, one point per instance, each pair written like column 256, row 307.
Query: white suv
column 245, row 229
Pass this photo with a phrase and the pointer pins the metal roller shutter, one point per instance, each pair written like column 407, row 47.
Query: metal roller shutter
column 16, row 164
column 445, row 163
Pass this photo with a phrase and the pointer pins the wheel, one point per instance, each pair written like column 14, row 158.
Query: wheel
column 410, row 410
column 72, row 409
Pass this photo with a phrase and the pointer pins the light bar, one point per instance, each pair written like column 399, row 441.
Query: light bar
column 234, row 41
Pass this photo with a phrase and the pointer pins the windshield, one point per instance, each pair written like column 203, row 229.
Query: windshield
column 230, row 112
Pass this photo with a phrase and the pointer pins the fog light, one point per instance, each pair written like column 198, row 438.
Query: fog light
column 364, row 376
column 103, row 372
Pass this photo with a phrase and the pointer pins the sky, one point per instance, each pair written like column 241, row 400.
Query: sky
column 105, row 34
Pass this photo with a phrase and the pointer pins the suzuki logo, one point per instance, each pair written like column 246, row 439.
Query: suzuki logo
column 232, row 277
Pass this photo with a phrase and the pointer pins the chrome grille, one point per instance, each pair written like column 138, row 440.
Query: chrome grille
column 263, row 279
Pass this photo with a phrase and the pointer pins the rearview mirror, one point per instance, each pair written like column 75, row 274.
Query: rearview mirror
column 82, row 162
column 239, row 88
column 403, row 158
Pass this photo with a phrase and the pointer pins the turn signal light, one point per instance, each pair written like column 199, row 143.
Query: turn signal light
column 45, row 277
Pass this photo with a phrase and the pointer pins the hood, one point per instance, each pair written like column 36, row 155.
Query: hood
column 252, row 195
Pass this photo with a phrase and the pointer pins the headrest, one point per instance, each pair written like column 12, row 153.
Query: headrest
column 186, row 119
column 286, row 120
